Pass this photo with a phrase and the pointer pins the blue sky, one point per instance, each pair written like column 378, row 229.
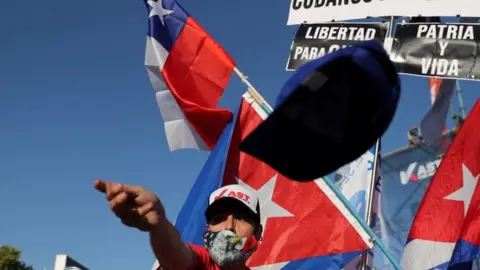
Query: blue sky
column 76, row 104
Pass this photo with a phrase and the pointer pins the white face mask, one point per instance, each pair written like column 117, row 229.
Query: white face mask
column 226, row 248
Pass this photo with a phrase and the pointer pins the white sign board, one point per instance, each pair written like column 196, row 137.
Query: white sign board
column 317, row 11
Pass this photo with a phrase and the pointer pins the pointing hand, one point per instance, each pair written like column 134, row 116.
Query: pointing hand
column 134, row 205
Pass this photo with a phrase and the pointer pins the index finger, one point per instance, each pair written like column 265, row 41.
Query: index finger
column 100, row 185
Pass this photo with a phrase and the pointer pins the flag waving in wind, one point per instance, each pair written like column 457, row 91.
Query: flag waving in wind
column 433, row 123
column 189, row 72
column 446, row 229
column 305, row 225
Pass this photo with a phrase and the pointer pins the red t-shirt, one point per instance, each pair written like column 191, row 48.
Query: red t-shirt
column 204, row 261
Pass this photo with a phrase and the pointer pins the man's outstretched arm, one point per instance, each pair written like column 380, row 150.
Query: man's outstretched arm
column 169, row 248
column 142, row 209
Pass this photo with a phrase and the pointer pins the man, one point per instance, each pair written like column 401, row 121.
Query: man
column 232, row 232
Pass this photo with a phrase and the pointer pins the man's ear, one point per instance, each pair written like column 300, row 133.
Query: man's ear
column 258, row 232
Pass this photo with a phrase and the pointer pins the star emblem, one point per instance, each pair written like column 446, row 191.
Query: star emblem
column 465, row 193
column 158, row 10
column 268, row 208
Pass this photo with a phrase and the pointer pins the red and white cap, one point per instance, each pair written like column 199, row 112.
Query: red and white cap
column 235, row 192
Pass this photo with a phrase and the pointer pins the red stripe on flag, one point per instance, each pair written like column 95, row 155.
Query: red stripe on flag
column 471, row 150
column 197, row 71
column 248, row 120
column 440, row 219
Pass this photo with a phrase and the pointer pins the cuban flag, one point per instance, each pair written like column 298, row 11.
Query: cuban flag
column 446, row 229
column 189, row 72
column 354, row 180
column 305, row 225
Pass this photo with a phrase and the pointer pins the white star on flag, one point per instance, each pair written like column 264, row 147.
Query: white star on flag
column 268, row 208
column 465, row 193
column 158, row 10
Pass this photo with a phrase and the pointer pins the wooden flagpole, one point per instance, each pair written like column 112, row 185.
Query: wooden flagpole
column 255, row 95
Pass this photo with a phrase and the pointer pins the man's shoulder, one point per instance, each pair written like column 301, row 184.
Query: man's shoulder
column 204, row 261
column 198, row 249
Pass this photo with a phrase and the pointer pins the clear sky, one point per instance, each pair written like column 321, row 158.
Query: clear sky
column 76, row 104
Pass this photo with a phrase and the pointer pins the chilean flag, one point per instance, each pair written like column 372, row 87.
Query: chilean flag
column 305, row 225
column 189, row 72
column 446, row 229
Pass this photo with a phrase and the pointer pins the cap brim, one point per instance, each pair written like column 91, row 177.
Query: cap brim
column 227, row 203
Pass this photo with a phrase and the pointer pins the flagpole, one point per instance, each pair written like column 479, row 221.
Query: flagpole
column 255, row 95
column 373, row 182
column 373, row 238
column 375, row 174
column 460, row 99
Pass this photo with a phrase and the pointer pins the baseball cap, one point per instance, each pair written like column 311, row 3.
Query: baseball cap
column 330, row 112
column 237, row 195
